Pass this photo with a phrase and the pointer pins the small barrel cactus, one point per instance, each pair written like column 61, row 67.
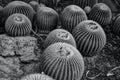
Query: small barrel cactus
column 18, row 7
column 87, row 9
column 115, row 27
column 34, row 4
column 59, row 35
column 90, row 37
column 36, row 76
column 62, row 61
column 18, row 25
column 71, row 16
column 46, row 19
column 101, row 13
column 84, row 3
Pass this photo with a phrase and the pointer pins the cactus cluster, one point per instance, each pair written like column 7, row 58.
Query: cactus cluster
column 61, row 40
column 18, row 7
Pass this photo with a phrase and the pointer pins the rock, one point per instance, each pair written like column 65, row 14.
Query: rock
column 10, row 66
column 26, row 47
column 5, row 79
column 28, row 57
column 33, row 67
column 7, row 45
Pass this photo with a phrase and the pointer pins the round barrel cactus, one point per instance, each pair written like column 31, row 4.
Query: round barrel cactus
column 46, row 19
column 18, row 25
column 115, row 27
column 101, row 13
column 84, row 3
column 62, row 61
column 59, row 35
column 90, row 37
column 34, row 4
column 87, row 9
column 36, row 76
column 18, row 7
column 71, row 16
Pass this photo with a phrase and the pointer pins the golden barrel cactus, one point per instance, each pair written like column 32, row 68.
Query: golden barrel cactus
column 36, row 76
column 62, row 61
column 18, row 25
column 18, row 7
column 71, row 16
column 101, row 13
column 90, row 37
column 84, row 3
column 46, row 19
column 115, row 27
column 59, row 35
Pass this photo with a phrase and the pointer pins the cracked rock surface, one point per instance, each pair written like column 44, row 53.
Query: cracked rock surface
column 18, row 56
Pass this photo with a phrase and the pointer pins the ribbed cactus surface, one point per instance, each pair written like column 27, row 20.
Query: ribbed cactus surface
column 90, row 37
column 62, row 61
column 36, row 76
column 18, row 25
column 46, row 19
column 18, row 7
column 101, row 13
column 59, row 35
column 71, row 16
column 84, row 3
